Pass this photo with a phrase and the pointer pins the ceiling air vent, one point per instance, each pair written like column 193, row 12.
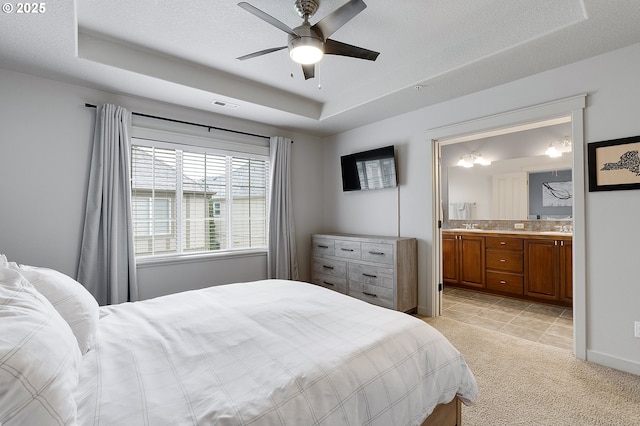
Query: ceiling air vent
column 224, row 104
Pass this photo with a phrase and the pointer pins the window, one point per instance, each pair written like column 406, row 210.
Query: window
column 187, row 199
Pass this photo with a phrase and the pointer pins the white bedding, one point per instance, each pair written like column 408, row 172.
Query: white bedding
column 266, row 353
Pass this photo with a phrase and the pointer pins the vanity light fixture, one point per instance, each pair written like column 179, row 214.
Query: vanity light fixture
column 556, row 149
column 469, row 160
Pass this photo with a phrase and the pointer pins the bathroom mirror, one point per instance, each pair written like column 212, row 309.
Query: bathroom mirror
column 527, row 188
column 521, row 183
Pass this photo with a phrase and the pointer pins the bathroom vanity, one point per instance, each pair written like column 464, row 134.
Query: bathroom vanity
column 528, row 265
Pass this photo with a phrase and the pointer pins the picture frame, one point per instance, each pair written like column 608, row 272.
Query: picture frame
column 614, row 164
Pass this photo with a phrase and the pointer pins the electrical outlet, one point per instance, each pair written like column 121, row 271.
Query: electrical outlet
column 637, row 329
column 518, row 225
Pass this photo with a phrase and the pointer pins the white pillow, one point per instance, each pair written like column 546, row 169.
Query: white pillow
column 39, row 357
column 74, row 303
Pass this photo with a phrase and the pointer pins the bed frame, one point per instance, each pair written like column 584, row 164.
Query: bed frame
column 445, row 414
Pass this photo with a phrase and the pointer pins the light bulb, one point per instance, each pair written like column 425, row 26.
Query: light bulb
column 552, row 151
column 306, row 55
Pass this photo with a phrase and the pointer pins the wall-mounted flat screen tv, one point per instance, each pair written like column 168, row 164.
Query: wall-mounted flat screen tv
column 374, row 169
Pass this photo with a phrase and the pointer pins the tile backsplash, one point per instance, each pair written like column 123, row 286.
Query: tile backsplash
column 508, row 225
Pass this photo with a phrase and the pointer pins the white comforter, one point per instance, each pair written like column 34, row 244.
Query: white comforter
column 266, row 353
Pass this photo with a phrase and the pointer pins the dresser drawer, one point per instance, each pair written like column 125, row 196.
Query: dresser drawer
column 379, row 253
column 505, row 282
column 335, row 268
column 323, row 247
column 508, row 261
column 330, row 282
column 373, row 275
column 372, row 293
column 348, row 249
column 504, row 243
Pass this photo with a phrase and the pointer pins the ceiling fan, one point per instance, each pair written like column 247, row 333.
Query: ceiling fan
column 308, row 43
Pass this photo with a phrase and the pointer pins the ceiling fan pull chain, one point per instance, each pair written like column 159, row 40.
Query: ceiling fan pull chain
column 319, row 81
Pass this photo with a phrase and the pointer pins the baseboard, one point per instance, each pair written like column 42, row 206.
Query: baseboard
column 621, row 364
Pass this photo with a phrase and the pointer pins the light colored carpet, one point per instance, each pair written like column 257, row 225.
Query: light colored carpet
column 525, row 383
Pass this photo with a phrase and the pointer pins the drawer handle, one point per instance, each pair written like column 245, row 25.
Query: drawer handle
column 503, row 282
column 379, row 253
column 503, row 243
column 328, row 283
column 369, row 275
column 322, row 246
column 370, row 294
column 503, row 260
column 327, row 267
column 344, row 249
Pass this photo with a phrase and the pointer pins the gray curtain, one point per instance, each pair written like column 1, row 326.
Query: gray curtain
column 107, row 261
column 282, row 259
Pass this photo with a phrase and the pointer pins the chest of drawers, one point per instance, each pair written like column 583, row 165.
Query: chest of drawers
column 379, row 270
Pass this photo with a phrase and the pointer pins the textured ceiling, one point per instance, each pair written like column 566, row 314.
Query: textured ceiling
column 184, row 52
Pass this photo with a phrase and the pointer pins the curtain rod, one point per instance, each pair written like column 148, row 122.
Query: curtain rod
column 190, row 123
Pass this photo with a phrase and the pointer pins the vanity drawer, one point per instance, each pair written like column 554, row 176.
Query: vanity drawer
column 504, row 243
column 379, row 253
column 508, row 261
column 507, row 283
column 348, row 249
column 335, row 268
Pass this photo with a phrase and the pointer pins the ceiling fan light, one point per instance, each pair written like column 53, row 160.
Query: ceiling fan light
column 306, row 50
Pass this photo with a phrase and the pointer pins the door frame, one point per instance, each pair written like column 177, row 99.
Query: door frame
column 572, row 107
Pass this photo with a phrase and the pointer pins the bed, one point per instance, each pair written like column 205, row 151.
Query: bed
column 270, row 352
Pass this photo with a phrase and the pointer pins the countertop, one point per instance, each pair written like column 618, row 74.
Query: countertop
column 510, row 231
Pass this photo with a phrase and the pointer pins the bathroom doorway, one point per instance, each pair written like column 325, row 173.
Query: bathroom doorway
column 478, row 132
column 486, row 184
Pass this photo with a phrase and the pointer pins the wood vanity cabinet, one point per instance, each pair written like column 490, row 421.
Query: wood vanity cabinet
column 526, row 266
column 549, row 269
column 463, row 260
column 566, row 271
column 505, row 264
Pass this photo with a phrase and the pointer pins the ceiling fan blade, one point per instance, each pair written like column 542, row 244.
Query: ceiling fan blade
column 260, row 53
column 332, row 47
column 336, row 19
column 309, row 71
column 266, row 17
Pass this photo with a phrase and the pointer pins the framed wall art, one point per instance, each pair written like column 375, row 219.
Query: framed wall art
column 614, row 164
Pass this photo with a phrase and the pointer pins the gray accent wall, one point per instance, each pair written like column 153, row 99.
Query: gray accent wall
column 537, row 209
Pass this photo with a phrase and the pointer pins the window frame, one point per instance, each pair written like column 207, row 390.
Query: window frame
column 251, row 149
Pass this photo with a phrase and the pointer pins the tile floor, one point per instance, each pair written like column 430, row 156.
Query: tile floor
column 547, row 324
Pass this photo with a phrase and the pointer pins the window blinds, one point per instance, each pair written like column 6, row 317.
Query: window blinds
column 193, row 200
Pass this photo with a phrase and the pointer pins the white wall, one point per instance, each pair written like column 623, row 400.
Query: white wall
column 45, row 148
column 612, row 288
